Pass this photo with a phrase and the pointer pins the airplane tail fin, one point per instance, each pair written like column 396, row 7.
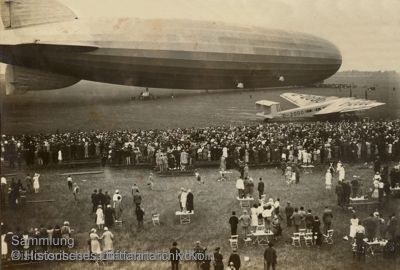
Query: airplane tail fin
column 22, row 13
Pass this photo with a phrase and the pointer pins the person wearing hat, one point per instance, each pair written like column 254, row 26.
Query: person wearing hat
column 66, row 230
column 174, row 253
column 69, row 182
column 95, row 200
column 139, row 216
column 260, row 187
column 75, row 191
column 246, row 221
column 109, row 216
column 137, row 198
column 118, row 209
column 95, row 247
column 183, row 199
column 395, row 176
column 107, row 238
column 198, row 251
column 36, row 184
column 190, row 201
column 270, row 257
column 233, row 221
column 116, row 196
column 100, row 217
column 218, row 259
column 206, row 262
column 234, row 260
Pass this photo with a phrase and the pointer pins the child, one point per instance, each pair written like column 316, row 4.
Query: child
column 75, row 191
column 150, row 182
column 198, row 177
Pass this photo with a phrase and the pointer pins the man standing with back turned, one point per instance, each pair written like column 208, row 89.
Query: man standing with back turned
column 270, row 257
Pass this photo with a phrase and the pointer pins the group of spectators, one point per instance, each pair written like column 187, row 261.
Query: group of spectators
column 316, row 142
column 41, row 238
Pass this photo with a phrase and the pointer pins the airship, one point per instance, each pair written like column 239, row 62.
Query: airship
column 46, row 46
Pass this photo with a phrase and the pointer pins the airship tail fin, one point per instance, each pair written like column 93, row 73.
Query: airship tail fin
column 22, row 13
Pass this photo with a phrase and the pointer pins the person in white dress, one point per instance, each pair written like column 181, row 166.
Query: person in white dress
column 99, row 217
column 59, row 156
column 184, row 199
column 328, row 180
column 375, row 192
column 108, row 239
column 240, row 187
column 342, row 173
column 4, row 247
column 116, row 197
column 254, row 216
column 95, row 247
column 36, row 184
column 353, row 226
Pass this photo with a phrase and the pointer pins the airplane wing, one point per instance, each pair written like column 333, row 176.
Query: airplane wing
column 302, row 100
column 349, row 106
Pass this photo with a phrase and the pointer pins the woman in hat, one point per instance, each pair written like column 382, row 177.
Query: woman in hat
column 375, row 192
column 108, row 238
column 118, row 209
column 100, row 217
column 36, row 184
column 328, row 180
column 95, row 247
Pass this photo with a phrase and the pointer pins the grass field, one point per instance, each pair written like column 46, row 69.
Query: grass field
column 213, row 201
column 89, row 105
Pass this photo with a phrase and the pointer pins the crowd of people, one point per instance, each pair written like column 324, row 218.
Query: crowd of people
column 317, row 142
column 41, row 238
column 289, row 144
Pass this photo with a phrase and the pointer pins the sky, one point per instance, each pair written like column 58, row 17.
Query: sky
column 367, row 32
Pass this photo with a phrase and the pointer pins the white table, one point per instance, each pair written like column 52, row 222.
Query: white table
column 308, row 168
column 184, row 217
column 395, row 190
column 224, row 175
column 245, row 202
column 375, row 246
column 261, row 237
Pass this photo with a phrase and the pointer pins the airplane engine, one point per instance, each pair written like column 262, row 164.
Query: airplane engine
column 18, row 80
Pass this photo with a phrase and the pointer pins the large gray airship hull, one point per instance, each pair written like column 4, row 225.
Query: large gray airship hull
column 177, row 54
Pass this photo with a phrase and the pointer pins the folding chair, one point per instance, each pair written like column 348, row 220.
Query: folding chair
column 248, row 240
column 156, row 219
column 328, row 237
column 302, row 233
column 296, row 240
column 233, row 241
column 308, row 238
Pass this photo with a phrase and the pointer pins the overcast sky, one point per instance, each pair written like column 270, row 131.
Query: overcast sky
column 366, row 31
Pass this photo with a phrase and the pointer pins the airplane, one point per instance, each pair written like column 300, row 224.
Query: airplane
column 47, row 46
column 309, row 106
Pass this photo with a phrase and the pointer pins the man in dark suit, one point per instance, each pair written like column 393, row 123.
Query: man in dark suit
column 233, row 221
column 139, row 216
column 174, row 256
column 235, row 259
column 218, row 259
column 289, row 210
column 260, row 187
column 101, row 199
column 95, row 200
column 270, row 257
